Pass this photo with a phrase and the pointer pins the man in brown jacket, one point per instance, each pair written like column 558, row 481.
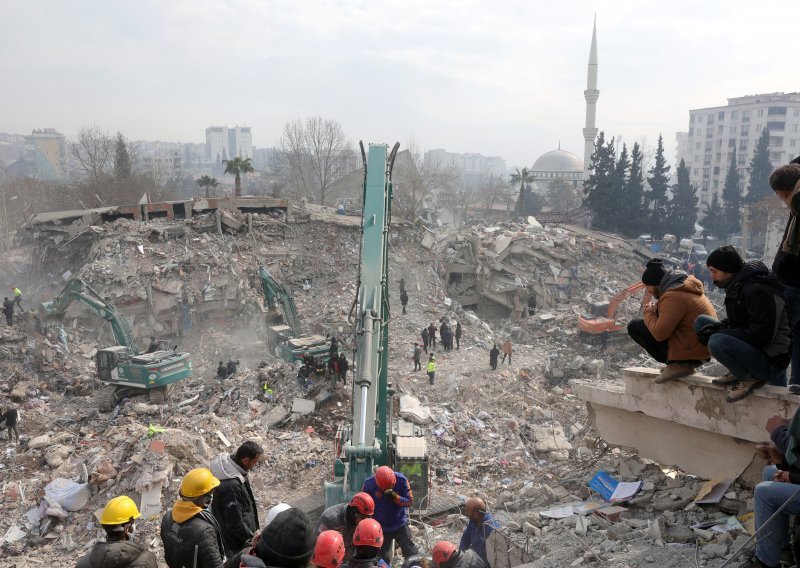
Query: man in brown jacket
column 667, row 330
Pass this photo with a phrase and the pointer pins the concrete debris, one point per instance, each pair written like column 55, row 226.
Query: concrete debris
column 411, row 409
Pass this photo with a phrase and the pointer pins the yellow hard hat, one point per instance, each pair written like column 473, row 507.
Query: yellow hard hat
column 198, row 482
column 119, row 510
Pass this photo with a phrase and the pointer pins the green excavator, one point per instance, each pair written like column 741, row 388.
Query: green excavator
column 123, row 369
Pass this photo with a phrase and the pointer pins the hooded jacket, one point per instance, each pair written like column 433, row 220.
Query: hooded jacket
column 681, row 300
column 334, row 518
column 757, row 313
column 234, row 505
column 118, row 554
column 786, row 265
column 186, row 528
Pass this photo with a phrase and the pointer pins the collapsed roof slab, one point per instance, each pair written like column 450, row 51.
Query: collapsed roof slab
column 684, row 423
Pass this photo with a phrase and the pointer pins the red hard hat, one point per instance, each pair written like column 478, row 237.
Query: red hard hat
column 442, row 552
column 368, row 533
column 385, row 478
column 329, row 550
column 363, row 503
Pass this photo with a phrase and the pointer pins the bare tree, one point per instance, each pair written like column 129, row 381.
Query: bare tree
column 313, row 155
column 91, row 156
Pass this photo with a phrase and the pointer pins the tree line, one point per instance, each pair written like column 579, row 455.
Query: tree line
column 627, row 200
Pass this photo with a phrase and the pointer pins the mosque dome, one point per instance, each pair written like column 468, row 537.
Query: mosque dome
column 558, row 161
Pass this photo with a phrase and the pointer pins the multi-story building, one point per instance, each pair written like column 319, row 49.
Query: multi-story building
column 163, row 167
column 472, row 168
column 716, row 134
column 45, row 153
column 223, row 143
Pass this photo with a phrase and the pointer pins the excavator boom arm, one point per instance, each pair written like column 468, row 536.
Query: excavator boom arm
column 275, row 293
column 621, row 296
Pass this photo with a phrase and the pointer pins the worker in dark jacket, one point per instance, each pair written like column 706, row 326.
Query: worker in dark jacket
column 8, row 311
column 445, row 554
column 426, row 339
column 480, row 526
column 231, row 368
column 344, row 518
column 190, row 533
column 118, row 519
column 785, row 181
column 234, row 506
column 392, row 495
column 11, row 417
column 755, row 341
column 458, row 335
column 343, row 367
column 222, row 370
column 493, row 355
column 333, row 352
column 286, row 542
column 432, row 335
column 404, row 299
column 154, row 345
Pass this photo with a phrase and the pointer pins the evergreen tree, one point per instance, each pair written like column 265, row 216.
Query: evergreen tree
column 634, row 205
column 600, row 187
column 732, row 200
column 122, row 159
column 659, row 184
column 714, row 219
column 621, row 173
column 760, row 170
column 683, row 206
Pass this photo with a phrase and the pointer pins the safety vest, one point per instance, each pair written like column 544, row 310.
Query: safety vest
column 431, row 366
column 17, row 292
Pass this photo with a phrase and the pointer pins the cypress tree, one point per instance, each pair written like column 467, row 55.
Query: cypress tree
column 659, row 184
column 732, row 200
column 760, row 170
column 683, row 205
column 600, row 187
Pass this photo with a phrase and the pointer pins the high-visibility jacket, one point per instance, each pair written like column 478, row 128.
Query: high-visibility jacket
column 431, row 366
column 17, row 292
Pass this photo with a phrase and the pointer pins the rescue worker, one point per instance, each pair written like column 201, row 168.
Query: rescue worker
column 445, row 554
column 493, row 355
column 507, row 348
column 442, row 329
column 404, row 299
column 234, row 505
column 190, row 533
column 309, row 361
column 458, row 336
column 302, row 377
column 425, row 339
column 393, row 497
column 329, row 550
column 416, row 357
column 11, row 418
column 231, row 368
column 368, row 542
column 343, row 366
column 402, row 285
column 118, row 519
column 344, row 518
column 17, row 296
column 154, row 344
column 8, row 311
column 334, row 349
column 480, row 526
column 286, row 542
column 431, row 368
column 222, row 370
column 432, row 335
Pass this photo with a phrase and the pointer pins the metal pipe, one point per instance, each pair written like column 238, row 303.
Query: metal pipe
column 362, row 421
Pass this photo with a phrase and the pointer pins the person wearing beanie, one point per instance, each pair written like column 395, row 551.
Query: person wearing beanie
column 189, row 532
column 755, row 341
column 666, row 330
column 391, row 493
column 286, row 542
column 785, row 182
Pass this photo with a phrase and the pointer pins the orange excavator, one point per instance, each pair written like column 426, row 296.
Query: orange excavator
column 602, row 315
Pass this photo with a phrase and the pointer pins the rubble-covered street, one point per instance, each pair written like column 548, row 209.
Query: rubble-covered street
column 516, row 436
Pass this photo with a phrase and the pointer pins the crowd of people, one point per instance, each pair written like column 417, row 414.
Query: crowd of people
column 214, row 523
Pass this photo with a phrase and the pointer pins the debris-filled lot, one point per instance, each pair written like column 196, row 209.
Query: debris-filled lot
column 516, row 436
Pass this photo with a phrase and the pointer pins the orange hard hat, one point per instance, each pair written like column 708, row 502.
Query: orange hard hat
column 442, row 552
column 364, row 503
column 385, row 478
column 368, row 533
column 329, row 550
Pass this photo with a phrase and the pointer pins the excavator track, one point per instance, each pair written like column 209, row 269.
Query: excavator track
column 157, row 395
column 107, row 398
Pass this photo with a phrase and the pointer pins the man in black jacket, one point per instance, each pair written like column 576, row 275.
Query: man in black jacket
column 785, row 181
column 118, row 519
column 754, row 342
column 234, row 506
column 190, row 533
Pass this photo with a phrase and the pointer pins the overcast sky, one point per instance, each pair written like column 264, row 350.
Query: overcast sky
column 494, row 77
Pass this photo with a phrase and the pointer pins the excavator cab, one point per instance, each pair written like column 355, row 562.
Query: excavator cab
column 106, row 361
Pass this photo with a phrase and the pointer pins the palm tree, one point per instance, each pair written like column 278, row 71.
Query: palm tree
column 523, row 178
column 208, row 183
column 238, row 166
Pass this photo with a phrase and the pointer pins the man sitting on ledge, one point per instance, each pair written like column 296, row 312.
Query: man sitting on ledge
column 667, row 331
column 754, row 342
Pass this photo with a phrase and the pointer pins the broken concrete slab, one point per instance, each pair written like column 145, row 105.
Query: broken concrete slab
column 412, row 409
column 303, row 406
column 39, row 442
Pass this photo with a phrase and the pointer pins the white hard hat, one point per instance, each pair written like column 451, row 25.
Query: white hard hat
column 275, row 511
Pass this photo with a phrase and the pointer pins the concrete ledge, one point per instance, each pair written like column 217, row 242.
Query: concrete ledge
column 687, row 422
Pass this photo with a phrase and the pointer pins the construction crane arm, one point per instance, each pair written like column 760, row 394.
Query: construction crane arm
column 621, row 296
column 78, row 290
column 275, row 294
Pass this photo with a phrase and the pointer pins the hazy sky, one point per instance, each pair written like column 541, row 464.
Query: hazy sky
column 495, row 77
